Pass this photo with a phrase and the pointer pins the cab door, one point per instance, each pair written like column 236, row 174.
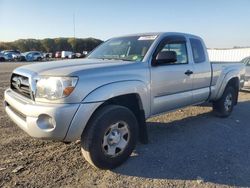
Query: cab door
column 171, row 83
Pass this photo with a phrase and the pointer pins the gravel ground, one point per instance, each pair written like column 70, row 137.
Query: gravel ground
column 188, row 148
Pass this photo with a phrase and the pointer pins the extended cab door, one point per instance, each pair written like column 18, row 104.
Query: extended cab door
column 202, row 73
column 171, row 83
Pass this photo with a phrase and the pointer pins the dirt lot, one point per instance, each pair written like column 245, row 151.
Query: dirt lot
column 188, row 148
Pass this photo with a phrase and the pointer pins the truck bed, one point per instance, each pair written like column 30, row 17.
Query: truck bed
column 221, row 70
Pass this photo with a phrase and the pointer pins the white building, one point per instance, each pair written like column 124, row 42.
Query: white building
column 230, row 55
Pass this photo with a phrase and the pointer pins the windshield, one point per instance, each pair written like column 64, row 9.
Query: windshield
column 132, row 48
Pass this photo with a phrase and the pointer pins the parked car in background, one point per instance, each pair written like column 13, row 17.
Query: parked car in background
column 5, row 56
column 84, row 53
column 47, row 55
column 67, row 54
column 72, row 55
column 58, row 54
column 2, row 58
column 246, row 62
column 32, row 56
column 78, row 55
column 12, row 54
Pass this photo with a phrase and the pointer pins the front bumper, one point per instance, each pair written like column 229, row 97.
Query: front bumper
column 48, row 121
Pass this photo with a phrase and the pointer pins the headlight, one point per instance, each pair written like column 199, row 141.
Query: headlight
column 53, row 88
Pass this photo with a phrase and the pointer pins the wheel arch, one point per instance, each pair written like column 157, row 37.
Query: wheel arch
column 131, row 94
column 231, row 79
column 233, row 82
column 133, row 102
column 122, row 89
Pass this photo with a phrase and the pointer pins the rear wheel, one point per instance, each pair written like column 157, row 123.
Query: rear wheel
column 224, row 106
column 110, row 137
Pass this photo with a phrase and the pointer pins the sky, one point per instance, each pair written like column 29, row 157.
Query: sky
column 221, row 23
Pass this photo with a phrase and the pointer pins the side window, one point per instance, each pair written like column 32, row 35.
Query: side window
column 180, row 49
column 198, row 51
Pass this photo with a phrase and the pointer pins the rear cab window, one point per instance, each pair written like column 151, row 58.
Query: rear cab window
column 197, row 50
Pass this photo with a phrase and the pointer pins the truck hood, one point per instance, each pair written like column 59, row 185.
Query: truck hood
column 91, row 73
column 73, row 67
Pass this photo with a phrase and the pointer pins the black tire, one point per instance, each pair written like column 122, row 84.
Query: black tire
column 2, row 59
column 94, row 134
column 220, row 107
column 22, row 58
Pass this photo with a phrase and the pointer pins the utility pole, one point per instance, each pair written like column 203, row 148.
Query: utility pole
column 74, row 25
column 74, row 28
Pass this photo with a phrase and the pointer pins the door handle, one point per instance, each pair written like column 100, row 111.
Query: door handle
column 189, row 72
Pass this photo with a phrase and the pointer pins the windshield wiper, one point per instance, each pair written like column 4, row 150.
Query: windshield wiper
column 104, row 58
column 114, row 59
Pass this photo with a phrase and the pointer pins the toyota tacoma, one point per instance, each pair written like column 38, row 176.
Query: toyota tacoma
column 106, row 98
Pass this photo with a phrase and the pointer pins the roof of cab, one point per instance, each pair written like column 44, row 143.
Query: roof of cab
column 161, row 33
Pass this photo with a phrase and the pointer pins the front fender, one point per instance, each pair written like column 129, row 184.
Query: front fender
column 98, row 96
column 119, row 88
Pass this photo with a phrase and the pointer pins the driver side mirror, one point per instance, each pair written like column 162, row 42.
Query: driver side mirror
column 166, row 57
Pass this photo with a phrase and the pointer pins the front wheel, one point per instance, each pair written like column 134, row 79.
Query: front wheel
column 224, row 106
column 110, row 137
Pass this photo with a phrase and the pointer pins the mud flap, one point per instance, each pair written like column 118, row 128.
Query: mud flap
column 143, row 132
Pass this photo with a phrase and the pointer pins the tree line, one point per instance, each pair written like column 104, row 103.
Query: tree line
column 52, row 45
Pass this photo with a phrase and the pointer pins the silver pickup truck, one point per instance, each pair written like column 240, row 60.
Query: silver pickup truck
column 105, row 99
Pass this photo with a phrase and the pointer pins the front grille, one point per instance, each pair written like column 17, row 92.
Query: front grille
column 20, row 84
